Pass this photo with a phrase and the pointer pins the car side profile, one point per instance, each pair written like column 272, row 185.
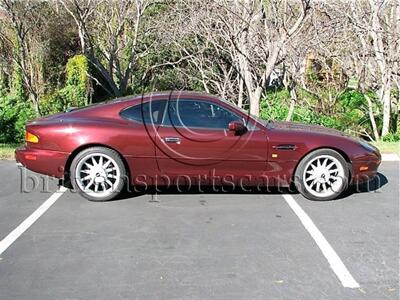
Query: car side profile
column 191, row 138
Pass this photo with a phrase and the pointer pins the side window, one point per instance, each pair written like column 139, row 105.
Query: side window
column 199, row 114
column 148, row 112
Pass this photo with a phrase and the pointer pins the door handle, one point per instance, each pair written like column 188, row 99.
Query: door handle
column 174, row 140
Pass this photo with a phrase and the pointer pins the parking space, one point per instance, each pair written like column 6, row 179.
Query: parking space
column 19, row 198
column 198, row 246
column 364, row 229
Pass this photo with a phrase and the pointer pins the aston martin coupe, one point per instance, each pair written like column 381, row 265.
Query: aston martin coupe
column 189, row 138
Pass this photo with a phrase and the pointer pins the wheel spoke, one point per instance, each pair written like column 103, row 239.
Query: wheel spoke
column 106, row 164
column 330, row 165
column 109, row 182
column 103, row 186
column 89, row 184
column 324, row 162
column 88, row 165
column 312, row 177
column 333, row 171
column 87, row 177
column 96, row 187
column 318, row 186
column 314, row 182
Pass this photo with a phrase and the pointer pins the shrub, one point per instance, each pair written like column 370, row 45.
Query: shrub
column 392, row 137
column 74, row 93
column 14, row 114
column 76, row 85
column 273, row 106
column 52, row 103
column 348, row 114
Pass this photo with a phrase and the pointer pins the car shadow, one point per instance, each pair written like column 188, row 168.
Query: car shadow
column 132, row 192
column 370, row 186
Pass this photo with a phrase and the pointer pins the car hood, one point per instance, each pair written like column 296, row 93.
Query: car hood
column 295, row 126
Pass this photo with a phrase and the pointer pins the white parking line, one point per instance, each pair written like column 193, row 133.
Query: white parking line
column 16, row 233
column 334, row 260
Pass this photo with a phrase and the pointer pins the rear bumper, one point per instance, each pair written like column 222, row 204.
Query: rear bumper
column 47, row 162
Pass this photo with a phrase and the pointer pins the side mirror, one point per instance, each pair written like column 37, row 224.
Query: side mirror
column 237, row 127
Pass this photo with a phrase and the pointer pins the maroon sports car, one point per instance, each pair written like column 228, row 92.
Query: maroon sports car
column 188, row 138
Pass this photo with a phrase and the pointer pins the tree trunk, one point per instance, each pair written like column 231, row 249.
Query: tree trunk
column 293, row 100
column 240, row 100
column 386, row 109
column 372, row 118
column 255, row 102
column 35, row 101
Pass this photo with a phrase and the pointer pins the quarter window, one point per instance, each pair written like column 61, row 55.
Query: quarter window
column 148, row 112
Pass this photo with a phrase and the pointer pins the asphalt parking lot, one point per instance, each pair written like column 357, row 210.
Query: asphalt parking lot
column 197, row 246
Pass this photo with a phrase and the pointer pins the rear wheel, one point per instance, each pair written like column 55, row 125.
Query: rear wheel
column 322, row 175
column 98, row 174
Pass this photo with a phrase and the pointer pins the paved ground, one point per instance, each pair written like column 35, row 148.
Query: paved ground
column 197, row 246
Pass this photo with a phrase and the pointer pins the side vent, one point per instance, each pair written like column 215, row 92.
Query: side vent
column 289, row 147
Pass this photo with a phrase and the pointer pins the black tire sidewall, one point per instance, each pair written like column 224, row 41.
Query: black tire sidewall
column 115, row 156
column 298, row 179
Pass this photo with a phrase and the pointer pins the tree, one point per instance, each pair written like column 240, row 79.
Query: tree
column 377, row 27
column 112, row 36
column 252, row 34
column 22, row 19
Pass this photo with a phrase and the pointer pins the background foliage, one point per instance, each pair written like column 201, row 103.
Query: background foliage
column 60, row 54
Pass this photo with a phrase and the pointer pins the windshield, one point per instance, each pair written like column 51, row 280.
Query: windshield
column 246, row 112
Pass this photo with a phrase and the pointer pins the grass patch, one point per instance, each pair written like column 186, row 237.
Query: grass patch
column 388, row 147
column 7, row 151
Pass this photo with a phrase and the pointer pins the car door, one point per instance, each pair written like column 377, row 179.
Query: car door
column 194, row 142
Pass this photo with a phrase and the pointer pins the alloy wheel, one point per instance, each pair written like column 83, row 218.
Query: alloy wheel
column 324, row 176
column 98, row 175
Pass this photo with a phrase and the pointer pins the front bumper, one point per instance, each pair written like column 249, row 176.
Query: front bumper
column 47, row 162
column 365, row 167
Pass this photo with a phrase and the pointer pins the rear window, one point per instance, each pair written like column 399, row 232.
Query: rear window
column 148, row 112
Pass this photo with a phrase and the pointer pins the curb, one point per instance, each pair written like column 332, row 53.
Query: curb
column 390, row 157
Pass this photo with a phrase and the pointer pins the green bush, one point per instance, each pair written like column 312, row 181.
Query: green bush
column 14, row 114
column 52, row 103
column 74, row 93
column 349, row 114
column 392, row 137
column 76, row 85
column 274, row 106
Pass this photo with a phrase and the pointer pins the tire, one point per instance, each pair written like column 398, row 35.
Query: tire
column 98, row 174
column 322, row 175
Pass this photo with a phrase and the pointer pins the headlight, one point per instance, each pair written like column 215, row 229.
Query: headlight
column 367, row 146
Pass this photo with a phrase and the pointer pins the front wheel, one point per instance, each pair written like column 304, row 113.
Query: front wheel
column 98, row 174
column 322, row 175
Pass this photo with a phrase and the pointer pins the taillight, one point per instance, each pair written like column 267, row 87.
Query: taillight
column 31, row 138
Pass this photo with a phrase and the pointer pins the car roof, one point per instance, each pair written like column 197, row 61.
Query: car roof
column 173, row 93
